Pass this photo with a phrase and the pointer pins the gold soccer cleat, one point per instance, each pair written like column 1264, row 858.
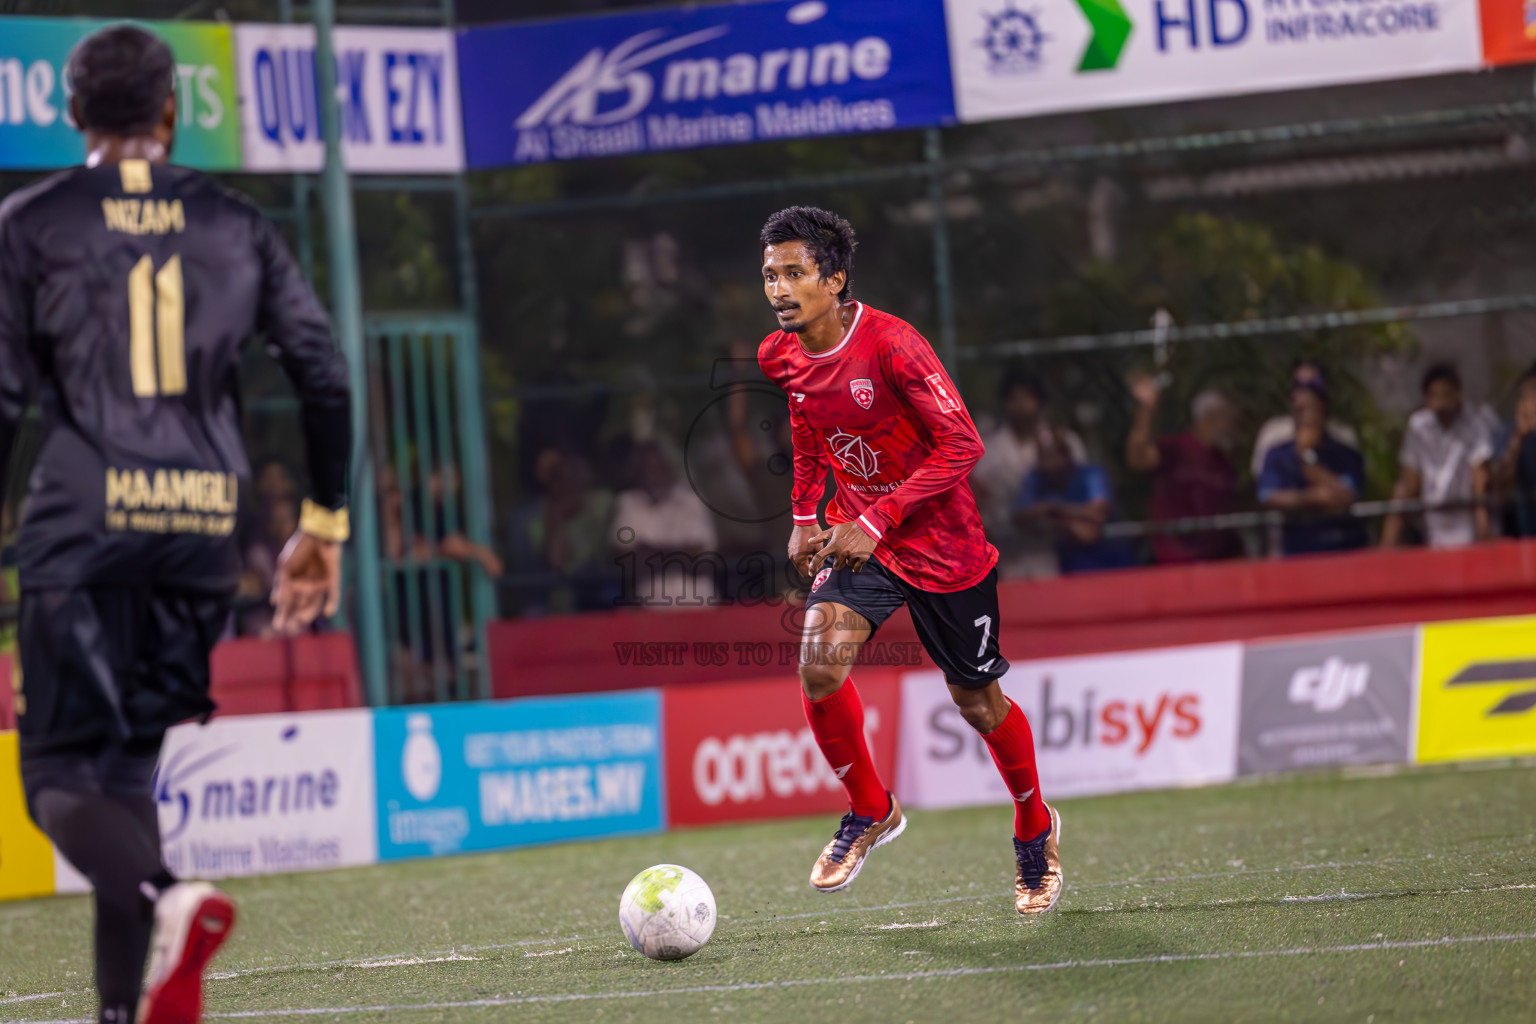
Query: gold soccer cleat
column 840, row 863
column 1039, row 882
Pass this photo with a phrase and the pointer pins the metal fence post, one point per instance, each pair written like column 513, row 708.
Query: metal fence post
column 347, row 314
column 943, row 276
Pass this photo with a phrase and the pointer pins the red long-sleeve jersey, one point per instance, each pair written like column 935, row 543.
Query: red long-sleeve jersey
column 880, row 408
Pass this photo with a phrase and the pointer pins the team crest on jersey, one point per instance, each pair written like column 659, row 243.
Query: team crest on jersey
column 863, row 391
column 821, row 578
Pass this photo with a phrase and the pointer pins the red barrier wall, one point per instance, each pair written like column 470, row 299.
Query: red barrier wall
column 1152, row 607
column 307, row 673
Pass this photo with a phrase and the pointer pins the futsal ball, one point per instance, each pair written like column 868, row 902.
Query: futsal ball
column 667, row 912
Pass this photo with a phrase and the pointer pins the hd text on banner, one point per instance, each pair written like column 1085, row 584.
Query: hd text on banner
column 1018, row 60
column 701, row 76
column 399, row 91
column 489, row 776
column 37, row 132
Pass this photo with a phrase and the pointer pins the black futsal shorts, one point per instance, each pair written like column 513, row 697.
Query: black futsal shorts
column 105, row 666
column 958, row 629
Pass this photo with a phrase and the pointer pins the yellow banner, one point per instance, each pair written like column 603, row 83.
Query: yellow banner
column 1477, row 690
column 26, row 858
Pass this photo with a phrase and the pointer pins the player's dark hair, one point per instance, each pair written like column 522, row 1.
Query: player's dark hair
column 828, row 237
column 1438, row 372
column 121, row 75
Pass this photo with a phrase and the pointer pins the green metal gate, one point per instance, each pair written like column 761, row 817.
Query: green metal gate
column 426, row 440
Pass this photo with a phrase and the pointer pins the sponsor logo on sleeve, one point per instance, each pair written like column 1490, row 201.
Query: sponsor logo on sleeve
column 942, row 393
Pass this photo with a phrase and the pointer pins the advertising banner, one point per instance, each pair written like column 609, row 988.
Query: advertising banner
column 37, row 132
column 26, row 856
column 701, row 76
column 400, row 99
column 1477, row 689
column 259, row 794
column 1017, row 60
column 1509, row 31
column 739, row 751
column 1102, row 724
column 488, row 776
column 1345, row 699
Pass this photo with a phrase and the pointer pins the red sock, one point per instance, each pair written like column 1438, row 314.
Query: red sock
column 1013, row 751
column 838, row 725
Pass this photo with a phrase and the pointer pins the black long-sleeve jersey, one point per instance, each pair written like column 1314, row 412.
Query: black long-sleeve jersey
column 126, row 292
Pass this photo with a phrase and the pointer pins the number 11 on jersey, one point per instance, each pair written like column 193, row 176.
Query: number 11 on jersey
column 157, row 312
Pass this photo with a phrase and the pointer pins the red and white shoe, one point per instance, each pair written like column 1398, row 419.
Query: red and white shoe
column 192, row 920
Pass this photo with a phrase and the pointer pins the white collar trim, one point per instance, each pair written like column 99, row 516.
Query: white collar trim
column 839, row 346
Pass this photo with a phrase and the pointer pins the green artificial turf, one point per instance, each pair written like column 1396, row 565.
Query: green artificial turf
column 1376, row 898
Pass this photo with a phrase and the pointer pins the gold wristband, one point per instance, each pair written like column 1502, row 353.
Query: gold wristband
column 323, row 523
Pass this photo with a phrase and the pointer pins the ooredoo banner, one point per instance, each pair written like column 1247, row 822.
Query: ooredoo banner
column 709, row 75
column 1018, row 60
column 1342, row 699
column 36, row 130
column 1509, row 31
column 487, row 776
column 739, row 751
column 260, row 794
column 399, row 92
column 1102, row 724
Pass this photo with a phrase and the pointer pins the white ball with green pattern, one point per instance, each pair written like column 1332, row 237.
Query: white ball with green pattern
column 667, row 912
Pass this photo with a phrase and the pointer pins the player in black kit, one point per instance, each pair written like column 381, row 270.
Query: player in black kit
column 127, row 288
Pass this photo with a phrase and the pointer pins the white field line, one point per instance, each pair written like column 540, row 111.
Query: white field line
column 413, row 961
column 898, row 925
column 858, row 979
column 355, row 961
column 974, row 897
column 553, row 952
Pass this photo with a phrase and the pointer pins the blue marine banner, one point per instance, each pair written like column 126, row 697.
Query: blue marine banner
column 488, row 776
column 701, row 76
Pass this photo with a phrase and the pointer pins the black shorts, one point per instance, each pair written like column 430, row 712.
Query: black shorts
column 958, row 629
column 113, row 665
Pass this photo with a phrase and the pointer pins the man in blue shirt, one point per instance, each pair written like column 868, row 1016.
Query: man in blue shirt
column 1314, row 479
column 1071, row 501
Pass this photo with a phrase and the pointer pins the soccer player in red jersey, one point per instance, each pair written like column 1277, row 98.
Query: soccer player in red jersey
column 868, row 395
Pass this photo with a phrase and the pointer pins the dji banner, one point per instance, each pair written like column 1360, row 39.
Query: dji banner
column 1345, row 699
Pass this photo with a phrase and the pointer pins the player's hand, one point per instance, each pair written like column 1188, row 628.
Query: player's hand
column 308, row 583
column 801, row 546
column 845, row 544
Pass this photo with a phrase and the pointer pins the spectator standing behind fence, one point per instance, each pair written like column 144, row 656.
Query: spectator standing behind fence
column 1012, row 450
column 1444, row 459
column 1313, row 479
column 557, row 543
column 1513, row 468
column 664, row 526
column 1280, row 429
column 1070, row 502
column 1193, row 475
